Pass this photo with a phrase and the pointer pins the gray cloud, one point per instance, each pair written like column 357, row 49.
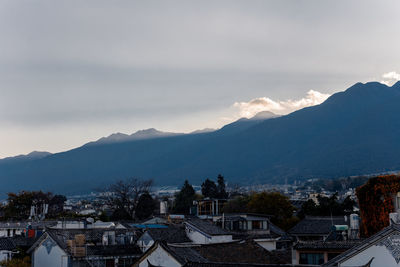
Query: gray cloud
column 177, row 64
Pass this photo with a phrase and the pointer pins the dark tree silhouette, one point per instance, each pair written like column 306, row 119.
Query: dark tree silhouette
column 145, row 206
column 209, row 189
column 221, row 191
column 184, row 199
column 123, row 196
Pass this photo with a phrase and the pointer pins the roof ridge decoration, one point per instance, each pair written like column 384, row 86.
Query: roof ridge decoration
column 392, row 244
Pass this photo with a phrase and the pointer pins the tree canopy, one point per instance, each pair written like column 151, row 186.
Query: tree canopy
column 19, row 204
column 221, row 191
column 123, row 197
column 327, row 206
column 145, row 206
column 269, row 203
column 184, row 199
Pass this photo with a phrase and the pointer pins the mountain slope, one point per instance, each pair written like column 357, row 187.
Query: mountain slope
column 31, row 156
column 352, row 132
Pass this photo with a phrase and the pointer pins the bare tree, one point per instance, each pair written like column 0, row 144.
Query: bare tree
column 123, row 195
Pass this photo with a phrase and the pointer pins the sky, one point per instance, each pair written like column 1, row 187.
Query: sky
column 74, row 71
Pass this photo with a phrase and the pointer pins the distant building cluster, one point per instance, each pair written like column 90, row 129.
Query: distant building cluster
column 207, row 235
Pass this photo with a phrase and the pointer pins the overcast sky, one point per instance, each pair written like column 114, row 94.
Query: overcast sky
column 74, row 71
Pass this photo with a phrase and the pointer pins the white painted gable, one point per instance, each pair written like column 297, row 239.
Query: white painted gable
column 385, row 251
column 48, row 253
column 159, row 257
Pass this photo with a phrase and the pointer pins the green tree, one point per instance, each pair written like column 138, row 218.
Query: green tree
column 308, row 208
column 19, row 204
column 237, row 204
column 184, row 199
column 145, row 206
column 209, row 189
column 327, row 206
column 221, row 191
column 274, row 204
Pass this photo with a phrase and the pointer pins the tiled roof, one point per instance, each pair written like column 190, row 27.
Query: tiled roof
column 342, row 245
column 186, row 254
column 24, row 224
column 93, row 241
column 172, row 234
column 206, row 226
column 237, row 252
column 115, row 250
column 317, row 225
column 244, row 235
column 6, row 243
column 11, row 243
column 226, row 264
column 247, row 253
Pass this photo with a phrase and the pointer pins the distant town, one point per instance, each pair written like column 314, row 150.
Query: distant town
column 132, row 223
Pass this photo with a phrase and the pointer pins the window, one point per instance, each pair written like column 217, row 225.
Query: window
column 311, row 258
column 256, row 224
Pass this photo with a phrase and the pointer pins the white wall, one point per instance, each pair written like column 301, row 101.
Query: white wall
column 199, row 238
column 145, row 242
column 269, row 245
column 4, row 255
column 56, row 257
column 382, row 257
column 160, row 257
column 4, row 232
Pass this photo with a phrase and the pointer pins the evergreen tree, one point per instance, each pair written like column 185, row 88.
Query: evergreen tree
column 221, row 187
column 145, row 206
column 209, row 189
column 184, row 199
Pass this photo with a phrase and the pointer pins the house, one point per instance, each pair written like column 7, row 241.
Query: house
column 205, row 232
column 381, row 249
column 10, row 229
column 170, row 234
column 9, row 246
column 318, row 228
column 232, row 254
column 257, row 227
column 85, row 247
column 320, row 252
column 161, row 254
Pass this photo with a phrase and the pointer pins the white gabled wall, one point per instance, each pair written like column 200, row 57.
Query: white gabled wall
column 269, row 245
column 56, row 258
column 159, row 257
column 200, row 238
column 382, row 258
column 145, row 242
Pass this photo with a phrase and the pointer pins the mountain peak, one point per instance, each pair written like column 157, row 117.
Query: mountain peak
column 138, row 135
column 396, row 85
column 264, row 115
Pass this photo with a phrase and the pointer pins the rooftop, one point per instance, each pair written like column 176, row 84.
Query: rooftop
column 171, row 234
column 317, row 225
column 206, row 227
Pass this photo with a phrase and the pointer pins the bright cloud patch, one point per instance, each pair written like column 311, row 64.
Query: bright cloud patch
column 390, row 78
column 251, row 108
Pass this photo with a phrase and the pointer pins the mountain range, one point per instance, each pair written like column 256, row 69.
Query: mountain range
column 352, row 133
